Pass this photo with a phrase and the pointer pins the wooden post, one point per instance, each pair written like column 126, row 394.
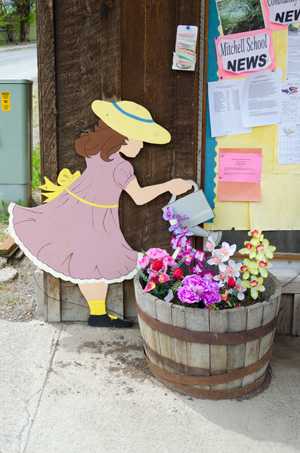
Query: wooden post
column 48, row 123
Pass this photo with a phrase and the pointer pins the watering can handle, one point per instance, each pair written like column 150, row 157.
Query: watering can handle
column 195, row 185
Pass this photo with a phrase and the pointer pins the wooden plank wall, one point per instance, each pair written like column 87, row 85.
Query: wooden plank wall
column 104, row 49
column 148, row 42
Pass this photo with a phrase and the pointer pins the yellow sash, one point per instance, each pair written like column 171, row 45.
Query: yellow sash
column 65, row 179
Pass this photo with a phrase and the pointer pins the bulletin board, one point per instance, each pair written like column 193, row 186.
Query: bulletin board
column 279, row 199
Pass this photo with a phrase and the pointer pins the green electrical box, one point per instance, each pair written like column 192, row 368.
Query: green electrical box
column 15, row 140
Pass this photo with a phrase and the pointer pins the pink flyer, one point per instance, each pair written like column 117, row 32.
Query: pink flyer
column 242, row 54
column 239, row 167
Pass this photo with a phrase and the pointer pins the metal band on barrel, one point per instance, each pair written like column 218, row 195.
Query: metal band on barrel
column 207, row 337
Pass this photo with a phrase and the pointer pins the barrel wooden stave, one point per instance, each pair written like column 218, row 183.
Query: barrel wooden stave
column 150, row 336
column 237, row 322
column 198, row 355
column 254, row 319
column 218, row 323
column 180, row 346
column 164, row 314
column 269, row 313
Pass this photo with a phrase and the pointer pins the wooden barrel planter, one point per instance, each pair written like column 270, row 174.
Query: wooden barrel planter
column 205, row 353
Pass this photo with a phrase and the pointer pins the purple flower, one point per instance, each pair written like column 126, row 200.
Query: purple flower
column 187, row 295
column 168, row 214
column 178, row 242
column 196, row 283
column 211, row 297
column 181, row 216
column 182, row 231
column 175, row 224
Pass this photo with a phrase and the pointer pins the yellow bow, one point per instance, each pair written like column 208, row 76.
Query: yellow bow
column 65, row 178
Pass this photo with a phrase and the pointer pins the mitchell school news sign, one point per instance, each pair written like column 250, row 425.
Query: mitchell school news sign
column 244, row 53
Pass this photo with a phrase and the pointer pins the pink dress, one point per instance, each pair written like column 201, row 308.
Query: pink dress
column 73, row 240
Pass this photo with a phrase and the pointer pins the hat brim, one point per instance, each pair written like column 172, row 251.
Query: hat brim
column 149, row 132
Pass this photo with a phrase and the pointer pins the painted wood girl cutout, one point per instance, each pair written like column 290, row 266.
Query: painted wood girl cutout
column 76, row 234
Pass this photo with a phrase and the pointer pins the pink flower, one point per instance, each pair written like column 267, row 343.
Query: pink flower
column 144, row 262
column 200, row 256
column 156, row 254
column 208, row 274
column 149, row 287
column 169, row 261
column 188, row 258
column 163, row 278
column 197, row 269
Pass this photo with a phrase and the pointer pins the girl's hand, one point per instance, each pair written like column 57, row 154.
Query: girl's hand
column 178, row 186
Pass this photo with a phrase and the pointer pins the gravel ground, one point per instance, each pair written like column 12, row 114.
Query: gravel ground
column 17, row 298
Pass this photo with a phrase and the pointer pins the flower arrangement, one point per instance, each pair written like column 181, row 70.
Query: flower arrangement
column 185, row 278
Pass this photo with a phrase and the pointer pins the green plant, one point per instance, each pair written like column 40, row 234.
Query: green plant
column 36, row 167
column 4, row 215
column 11, row 300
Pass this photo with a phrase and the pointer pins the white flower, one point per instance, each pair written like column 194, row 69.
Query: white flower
column 232, row 269
column 221, row 279
column 216, row 258
column 240, row 289
column 226, row 251
column 210, row 244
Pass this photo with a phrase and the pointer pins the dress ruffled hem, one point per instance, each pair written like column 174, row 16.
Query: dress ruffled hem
column 56, row 274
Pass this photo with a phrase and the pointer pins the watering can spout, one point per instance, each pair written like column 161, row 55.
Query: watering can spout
column 198, row 210
column 215, row 235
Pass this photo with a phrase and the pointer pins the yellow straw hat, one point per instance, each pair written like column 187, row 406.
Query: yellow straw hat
column 131, row 120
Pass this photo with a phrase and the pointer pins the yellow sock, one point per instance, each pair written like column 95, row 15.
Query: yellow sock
column 98, row 307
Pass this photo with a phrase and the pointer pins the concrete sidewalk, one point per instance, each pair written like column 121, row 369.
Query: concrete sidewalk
column 73, row 388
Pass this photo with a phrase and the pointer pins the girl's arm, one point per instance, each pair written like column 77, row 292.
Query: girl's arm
column 142, row 195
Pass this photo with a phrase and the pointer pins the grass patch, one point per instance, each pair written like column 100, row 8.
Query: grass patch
column 36, row 167
column 11, row 300
column 4, row 215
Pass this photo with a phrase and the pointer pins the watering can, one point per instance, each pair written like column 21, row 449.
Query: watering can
column 196, row 207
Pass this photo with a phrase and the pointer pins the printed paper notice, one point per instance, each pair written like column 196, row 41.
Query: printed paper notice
column 283, row 11
column 261, row 99
column 238, row 167
column 289, row 127
column 289, row 143
column 293, row 52
column 224, row 108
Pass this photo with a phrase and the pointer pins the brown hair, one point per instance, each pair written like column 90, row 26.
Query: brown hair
column 104, row 140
